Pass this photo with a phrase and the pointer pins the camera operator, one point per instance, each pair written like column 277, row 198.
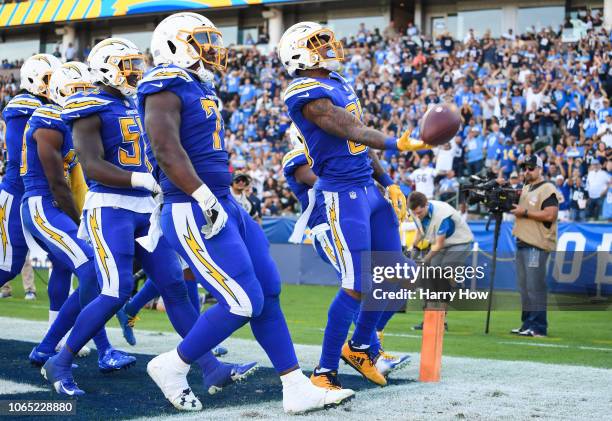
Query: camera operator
column 449, row 236
column 535, row 230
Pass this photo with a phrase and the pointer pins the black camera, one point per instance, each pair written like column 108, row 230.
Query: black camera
column 497, row 198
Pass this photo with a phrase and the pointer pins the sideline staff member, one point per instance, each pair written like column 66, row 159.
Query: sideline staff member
column 535, row 230
column 450, row 237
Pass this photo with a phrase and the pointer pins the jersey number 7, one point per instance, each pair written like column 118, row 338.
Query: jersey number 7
column 210, row 107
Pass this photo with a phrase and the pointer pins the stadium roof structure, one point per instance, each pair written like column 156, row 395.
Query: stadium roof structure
column 44, row 11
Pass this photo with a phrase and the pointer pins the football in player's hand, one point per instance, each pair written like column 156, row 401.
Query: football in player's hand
column 440, row 124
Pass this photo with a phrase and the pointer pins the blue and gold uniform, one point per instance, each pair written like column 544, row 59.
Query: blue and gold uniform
column 13, row 247
column 339, row 163
column 42, row 219
column 115, row 217
column 360, row 218
column 235, row 264
column 202, row 129
column 121, row 133
column 313, row 214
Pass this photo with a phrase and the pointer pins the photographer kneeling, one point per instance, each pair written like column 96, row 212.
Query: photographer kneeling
column 450, row 238
column 535, row 230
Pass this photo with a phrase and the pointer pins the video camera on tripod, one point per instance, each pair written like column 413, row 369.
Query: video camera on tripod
column 497, row 198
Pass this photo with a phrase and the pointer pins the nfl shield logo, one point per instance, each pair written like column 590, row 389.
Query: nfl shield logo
column 353, row 195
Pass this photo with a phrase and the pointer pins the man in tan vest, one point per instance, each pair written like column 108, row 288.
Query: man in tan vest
column 535, row 230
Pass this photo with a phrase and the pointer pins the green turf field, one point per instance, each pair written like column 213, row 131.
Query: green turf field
column 575, row 337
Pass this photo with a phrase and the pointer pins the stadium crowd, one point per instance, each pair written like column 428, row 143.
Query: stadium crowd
column 517, row 95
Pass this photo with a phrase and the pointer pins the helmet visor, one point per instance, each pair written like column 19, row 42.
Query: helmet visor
column 208, row 43
column 132, row 67
column 324, row 45
column 72, row 88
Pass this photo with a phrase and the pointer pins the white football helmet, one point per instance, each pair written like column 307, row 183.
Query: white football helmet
column 68, row 79
column 184, row 39
column 36, row 71
column 309, row 45
column 118, row 63
column 295, row 137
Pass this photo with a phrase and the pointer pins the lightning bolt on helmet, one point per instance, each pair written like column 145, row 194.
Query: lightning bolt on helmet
column 309, row 45
column 184, row 39
column 118, row 63
column 36, row 72
column 68, row 79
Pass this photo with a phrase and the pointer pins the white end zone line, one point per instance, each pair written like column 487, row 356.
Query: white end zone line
column 543, row 345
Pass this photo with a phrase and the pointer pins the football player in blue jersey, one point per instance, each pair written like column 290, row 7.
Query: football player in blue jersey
column 35, row 73
column 327, row 113
column 226, row 250
column 50, row 218
column 118, row 207
column 301, row 180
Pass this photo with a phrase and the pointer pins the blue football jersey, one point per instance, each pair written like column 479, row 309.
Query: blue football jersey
column 16, row 115
column 31, row 170
column 339, row 163
column 201, row 128
column 120, row 131
column 291, row 162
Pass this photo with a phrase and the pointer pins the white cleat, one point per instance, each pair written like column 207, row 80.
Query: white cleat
column 84, row 352
column 387, row 363
column 169, row 373
column 301, row 396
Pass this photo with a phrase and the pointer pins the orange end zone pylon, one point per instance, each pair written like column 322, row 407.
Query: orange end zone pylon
column 431, row 348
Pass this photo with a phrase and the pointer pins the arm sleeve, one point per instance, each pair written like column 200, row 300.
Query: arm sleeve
column 551, row 201
column 303, row 91
column 447, row 227
column 162, row 79
column 292, row 161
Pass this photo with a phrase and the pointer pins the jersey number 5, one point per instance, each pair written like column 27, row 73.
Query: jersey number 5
column 130, row 131
column 210, row 107
column 354, row 147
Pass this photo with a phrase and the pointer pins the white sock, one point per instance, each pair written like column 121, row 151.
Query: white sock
column 293, row 378
column 321, row 370
column 180, row 365
column 52, row 317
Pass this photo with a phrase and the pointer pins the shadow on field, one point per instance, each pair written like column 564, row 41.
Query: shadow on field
column 131, row 393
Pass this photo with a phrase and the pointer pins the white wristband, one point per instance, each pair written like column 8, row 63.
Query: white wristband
column 202, row 194
column 140, row 179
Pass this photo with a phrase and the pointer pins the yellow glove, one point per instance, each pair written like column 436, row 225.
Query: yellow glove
column 406, row 143
column 422, row 245
column 78, row 186
column 398, row 200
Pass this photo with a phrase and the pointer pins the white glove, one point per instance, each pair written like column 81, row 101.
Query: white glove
column 146, row 180
column 215, row 215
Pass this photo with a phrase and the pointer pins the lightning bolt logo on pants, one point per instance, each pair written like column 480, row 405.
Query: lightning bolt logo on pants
column 58, row 238
column 3, row 229
column 197, row 250
column 100, row 250
column 333, row 219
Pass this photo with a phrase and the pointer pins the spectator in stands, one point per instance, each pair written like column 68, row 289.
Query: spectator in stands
column 597, row 188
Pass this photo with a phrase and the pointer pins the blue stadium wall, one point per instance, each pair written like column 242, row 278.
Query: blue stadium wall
column 299, row 264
